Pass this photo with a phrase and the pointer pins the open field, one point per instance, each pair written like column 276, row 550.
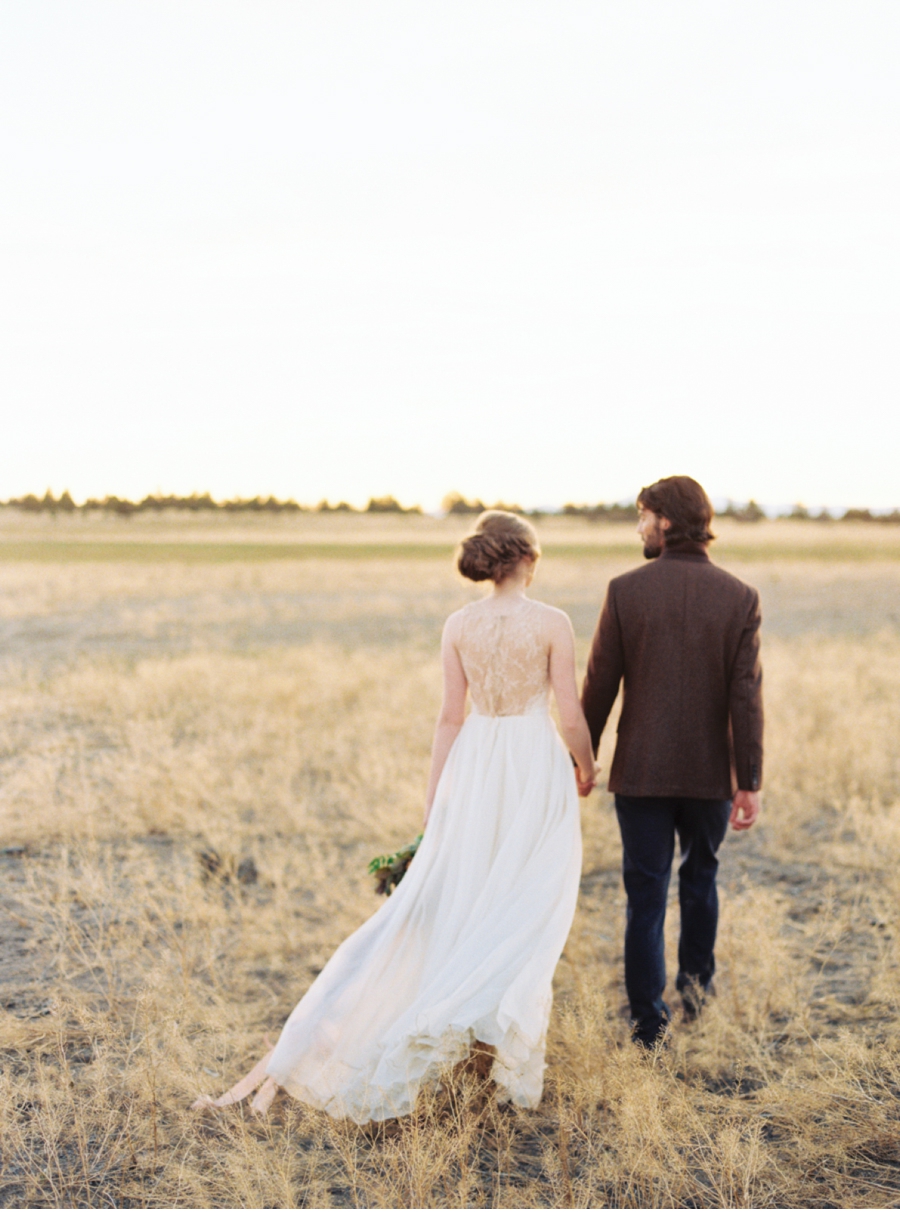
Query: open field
column 161, row 698
column 215, row 538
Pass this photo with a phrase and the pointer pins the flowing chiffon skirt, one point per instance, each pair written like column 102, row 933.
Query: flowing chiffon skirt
column 465, row 949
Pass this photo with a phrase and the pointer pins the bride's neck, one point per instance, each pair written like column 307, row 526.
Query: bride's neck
column 510, row 587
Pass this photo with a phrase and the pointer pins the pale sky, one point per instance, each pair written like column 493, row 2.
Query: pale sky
column 533, row 251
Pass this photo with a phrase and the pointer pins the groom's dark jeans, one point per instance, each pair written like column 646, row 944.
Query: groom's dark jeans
column 648, row 826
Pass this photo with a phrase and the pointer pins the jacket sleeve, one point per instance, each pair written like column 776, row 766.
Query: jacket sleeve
column 604, row 671
column 745, row 703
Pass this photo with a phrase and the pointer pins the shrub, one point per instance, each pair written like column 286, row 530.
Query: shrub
column 620, row 512
column 389, row 505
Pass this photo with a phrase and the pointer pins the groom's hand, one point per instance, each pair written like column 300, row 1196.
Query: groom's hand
column 744, row 809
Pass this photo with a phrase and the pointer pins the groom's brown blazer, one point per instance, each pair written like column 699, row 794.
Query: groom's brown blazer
column 683, row 636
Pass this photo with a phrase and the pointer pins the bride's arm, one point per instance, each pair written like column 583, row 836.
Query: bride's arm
column 453, row 711
column 573, row 725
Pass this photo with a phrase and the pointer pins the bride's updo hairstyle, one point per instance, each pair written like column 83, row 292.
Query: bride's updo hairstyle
column 497, row 546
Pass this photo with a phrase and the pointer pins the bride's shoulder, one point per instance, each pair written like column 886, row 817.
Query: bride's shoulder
column 552, row 617
column 550, row 612
column 456, row 620
column 464, row 611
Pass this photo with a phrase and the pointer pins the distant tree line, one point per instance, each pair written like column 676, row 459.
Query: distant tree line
column 751, row 512
column 801, row 514
column 453, row 503
column 602, row 513
column 195, row 503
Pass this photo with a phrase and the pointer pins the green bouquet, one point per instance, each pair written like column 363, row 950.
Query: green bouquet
column 389, row 869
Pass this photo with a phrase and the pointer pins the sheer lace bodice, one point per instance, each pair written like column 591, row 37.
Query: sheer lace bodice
column 506, row 657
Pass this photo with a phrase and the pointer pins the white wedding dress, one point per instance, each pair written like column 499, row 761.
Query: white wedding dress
column 466, row 947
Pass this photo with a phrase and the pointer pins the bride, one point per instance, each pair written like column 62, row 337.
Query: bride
column 462, row 955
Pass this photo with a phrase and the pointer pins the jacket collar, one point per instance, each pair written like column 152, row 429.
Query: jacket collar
column 684, row 549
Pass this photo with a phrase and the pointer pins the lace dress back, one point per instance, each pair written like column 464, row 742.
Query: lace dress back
column 466, row 947
column 506, row 657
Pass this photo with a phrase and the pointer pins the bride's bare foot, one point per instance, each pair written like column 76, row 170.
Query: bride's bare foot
column 245, row 1086
column 264, row 1096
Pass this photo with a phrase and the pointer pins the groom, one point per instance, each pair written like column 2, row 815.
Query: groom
column 683, row 637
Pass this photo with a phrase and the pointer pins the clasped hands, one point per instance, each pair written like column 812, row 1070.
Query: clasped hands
column 586, row 786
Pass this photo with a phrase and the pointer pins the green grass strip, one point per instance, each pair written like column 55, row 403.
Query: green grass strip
column 102, row 551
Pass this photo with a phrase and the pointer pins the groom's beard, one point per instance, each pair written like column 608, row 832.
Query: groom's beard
column 654, row 543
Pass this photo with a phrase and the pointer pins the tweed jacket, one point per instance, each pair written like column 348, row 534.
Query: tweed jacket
column 683, row 637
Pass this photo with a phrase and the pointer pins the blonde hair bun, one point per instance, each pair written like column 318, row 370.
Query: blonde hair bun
column 497, row 546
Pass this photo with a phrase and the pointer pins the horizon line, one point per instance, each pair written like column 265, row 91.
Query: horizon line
column 452, row 502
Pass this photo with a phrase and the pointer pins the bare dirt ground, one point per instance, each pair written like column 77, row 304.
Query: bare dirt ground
column 281, row 711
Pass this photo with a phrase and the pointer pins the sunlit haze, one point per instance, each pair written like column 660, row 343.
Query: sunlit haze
column 539, row 252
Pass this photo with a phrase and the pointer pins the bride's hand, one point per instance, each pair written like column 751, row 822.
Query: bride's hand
column 587, row 783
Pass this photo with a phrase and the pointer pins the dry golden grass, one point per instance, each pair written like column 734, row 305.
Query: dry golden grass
column 212, row 538
column 283, row 711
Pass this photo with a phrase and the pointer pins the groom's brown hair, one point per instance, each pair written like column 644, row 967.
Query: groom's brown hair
column 686, row 505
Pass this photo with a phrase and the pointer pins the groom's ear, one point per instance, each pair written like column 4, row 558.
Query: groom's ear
column 664, row 522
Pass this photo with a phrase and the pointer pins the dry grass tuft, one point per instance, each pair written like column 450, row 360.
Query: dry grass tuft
column 150, row 716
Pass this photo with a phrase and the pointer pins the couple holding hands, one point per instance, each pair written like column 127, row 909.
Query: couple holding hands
column 461, row 957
